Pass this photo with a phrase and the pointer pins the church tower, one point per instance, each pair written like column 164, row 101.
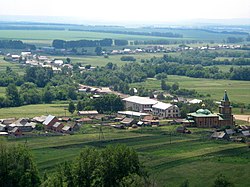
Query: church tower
column 225, row 110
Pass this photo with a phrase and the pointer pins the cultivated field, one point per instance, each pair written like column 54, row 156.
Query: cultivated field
column 193, row 157
column 45, row 37
column 238, row 91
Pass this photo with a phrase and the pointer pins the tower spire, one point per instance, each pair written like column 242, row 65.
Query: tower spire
column 225, row 97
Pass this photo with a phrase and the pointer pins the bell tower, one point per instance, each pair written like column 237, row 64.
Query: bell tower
column 225, row 110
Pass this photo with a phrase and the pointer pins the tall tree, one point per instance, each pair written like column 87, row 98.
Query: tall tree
column 71, row 107
column 13, row 95
column 17, row 168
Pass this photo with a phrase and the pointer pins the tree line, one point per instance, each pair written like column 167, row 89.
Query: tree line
column 16, row 44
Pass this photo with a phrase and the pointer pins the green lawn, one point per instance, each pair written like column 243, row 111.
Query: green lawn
column 238, row 91
column 192, row 157
column 33, row 110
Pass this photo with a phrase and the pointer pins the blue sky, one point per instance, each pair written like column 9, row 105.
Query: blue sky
column 130, row 10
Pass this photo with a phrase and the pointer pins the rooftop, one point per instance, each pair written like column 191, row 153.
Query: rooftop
column 132, row 113
column 141, row 100
column 162, row 106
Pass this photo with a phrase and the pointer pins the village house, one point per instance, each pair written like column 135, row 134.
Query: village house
column 57, row 127
column 15, row 132
column 50, row 121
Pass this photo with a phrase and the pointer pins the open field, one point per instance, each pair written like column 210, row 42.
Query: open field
column 191, row 157
column 14, row 66
column 238, row 91
column 33, row 110
column 115, row 59
column 226, row 68
column 45, row 37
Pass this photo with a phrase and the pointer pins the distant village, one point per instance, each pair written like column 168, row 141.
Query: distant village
column 27, row 58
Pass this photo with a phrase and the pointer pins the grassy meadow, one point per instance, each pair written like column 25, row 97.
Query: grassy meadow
column 193, row 157
column 34, row 110
column 14, row 66
column 238, row 91
column 115, row 59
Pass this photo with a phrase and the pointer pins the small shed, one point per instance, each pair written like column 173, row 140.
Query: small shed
column 67, row 129
column 230, row 131
column 57, row 127
column 127, row 121
column 219, row 135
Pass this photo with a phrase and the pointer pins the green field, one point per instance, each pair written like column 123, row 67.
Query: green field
column 45, row 37
column 192, row 157
column 238, row 91
column 33, row 110
column 101, row 61
column 14, row 66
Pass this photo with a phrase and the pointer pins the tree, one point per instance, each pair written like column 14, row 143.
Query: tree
column 17, row 168
column 98, row 51
column 48, row 96
column 13, row 95
column 80, row 106
column 163, row 85
column 175, row 86
column 68, row 60
column 221, row 181
column 71, row 107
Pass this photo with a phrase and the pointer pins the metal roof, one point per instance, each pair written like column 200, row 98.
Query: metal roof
column 48, row 119
column 162, row 106
column 141, row 100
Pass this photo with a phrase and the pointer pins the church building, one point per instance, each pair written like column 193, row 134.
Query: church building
column 206, row 119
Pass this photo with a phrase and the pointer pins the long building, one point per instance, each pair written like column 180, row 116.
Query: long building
column 147, row 105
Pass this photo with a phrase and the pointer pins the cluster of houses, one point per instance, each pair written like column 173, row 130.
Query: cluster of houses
column 18, row 127
column 27, row 58
column 161, row 48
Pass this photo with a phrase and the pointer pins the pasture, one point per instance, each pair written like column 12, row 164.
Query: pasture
column 34, row 110
column 14, row 66
column 101, row 61
column 238, row 91
column 193, row 157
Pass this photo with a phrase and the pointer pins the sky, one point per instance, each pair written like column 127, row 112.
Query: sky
column 146, row 11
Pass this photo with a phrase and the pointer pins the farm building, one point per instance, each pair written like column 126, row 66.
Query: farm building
column 50, row 121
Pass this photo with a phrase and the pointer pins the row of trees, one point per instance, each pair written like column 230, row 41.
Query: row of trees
column 105, row 104
column 62, row 44
column 15, row 44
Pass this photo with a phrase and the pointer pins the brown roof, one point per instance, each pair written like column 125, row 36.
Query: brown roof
column 84, row 120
